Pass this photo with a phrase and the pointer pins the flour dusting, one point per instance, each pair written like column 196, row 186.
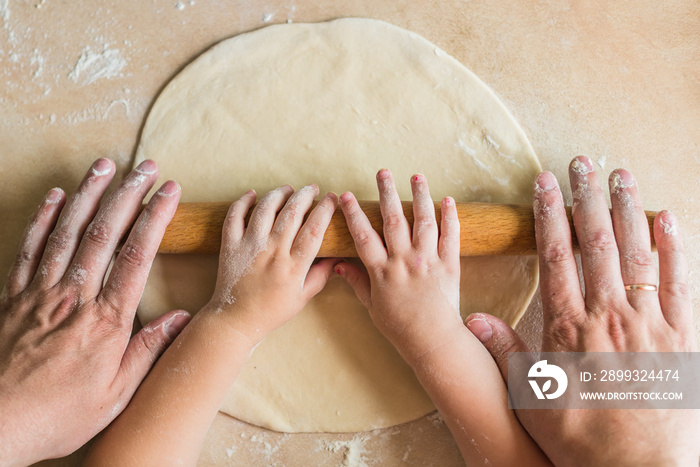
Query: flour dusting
column 354, row 450
column 92, row 66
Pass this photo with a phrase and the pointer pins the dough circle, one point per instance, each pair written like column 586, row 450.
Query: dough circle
column 332, row 103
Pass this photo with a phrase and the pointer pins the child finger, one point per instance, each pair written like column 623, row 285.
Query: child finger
column 318, row 276
column 234, row 224
column 292, row 215
column 358, row 279
column 368, row 243
column 425, row 231
column 448, row 244
column 33, row 242
column 308, row 241
column 397, row 235
column 263, row 216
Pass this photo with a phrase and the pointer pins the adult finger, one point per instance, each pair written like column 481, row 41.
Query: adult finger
column 674, row 291
column 448, row 244
column 145, row 348
column 498, row 338
column 318, row 276
column 76, row 215
column 234, row 224
column 125, row 284
column 425, row 231
column 34, row 241
column 308, row 241
column 368, row 243
column 111, row 222
column 292, row 215
column 358, row 279
column 263, row 216
column 600, row 258
column 633, row 240
column 559, row 284
column 396, row 232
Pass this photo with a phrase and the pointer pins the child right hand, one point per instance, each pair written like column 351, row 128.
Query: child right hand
column 266, row 275
column 411, row 286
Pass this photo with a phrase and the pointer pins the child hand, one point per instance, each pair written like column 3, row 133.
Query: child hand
column 265, row 270
column 411, row 286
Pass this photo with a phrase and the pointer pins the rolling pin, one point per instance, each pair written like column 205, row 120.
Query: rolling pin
column 485, row 229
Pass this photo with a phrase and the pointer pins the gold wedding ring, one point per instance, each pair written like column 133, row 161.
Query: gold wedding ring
column 650, row 287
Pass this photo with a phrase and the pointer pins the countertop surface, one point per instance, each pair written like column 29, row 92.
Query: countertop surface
column 616, row 81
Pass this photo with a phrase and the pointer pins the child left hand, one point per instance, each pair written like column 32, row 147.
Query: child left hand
column 266, row 271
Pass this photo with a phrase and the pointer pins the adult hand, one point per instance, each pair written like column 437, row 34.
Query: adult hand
column 68, row 363
column 608, row 318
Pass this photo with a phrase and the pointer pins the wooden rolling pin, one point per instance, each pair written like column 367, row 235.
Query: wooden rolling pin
column 486, row 229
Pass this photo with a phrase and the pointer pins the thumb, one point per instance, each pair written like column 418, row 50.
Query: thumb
column 146, row 346
column 498, row 338
column 317, row 277
column 358, row 279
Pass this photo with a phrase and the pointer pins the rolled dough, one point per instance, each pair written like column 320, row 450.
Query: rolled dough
column 331, row 103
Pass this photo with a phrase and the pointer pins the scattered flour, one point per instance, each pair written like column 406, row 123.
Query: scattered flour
column 92, row 66
column 354, row 450
column 617, row 184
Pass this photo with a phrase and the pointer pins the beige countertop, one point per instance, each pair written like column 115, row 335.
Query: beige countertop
column 617, row 81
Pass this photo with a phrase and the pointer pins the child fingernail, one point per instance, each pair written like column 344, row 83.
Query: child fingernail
column 54, row 196
column 101, row 167
column 339, row 270
column 169, row 188
column 582, row 165
column 481, row 329
column 546, row 181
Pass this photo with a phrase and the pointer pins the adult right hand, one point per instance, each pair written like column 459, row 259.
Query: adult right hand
column 68, row 363
column 609, row 318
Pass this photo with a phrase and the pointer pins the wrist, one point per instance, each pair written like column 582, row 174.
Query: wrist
column 232, row 322
column 421, row 339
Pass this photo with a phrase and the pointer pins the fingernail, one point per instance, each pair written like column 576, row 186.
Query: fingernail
column 383, row 173
column 169, row 188
column 54, row 196
column 339, row 270
column 332, row 196
column 620, row 180
column 546, row 181
column 481, row 329
column 582, row 165
column 101, row 167
column 669, row 223
column 147, row 167
column 176, row 324
column 251, row 192
column 448, row 201
column 418, row 177
column 346, row 197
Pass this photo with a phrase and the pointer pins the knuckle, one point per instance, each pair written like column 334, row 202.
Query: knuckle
column 315, row 230
column 678, row 290
column 98, row 232
column 555, row 252
column 392, row 220
column 24, row 257
column 599, row 240
column 135, row 256
column 59, row 240
column 152, row 341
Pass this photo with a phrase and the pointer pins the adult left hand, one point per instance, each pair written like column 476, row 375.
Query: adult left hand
column 68, row 363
